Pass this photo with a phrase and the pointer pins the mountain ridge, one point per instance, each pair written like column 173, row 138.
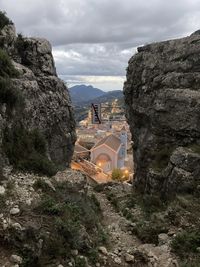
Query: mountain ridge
column 107, row 97
column 82, row 108
column 82, row 92
column 82, row 98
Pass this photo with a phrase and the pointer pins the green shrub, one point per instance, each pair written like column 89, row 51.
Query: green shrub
column 41, row 184
column 10, row 96
column 26, row 150
column 70, row 215
column 190, row 263
column 70, row 230
column 195, row 148
column 21, row 45
column 161, row 158
column 103, row 236
column 54, row 247
column 10, row 185
column 73, row 219
column 113, row 199
column 49, row 206
column 152, row 203
column 117, row 174
column 38, row 141
column 80, row 262
column 37, row 163
column 7, row 70
column 4, row 20
column 2, row 202
column 99, row 187
column 127, row 214
column 93, row 256
column 186, row 243
column 20, row 42
column 131, row 201
column 96, row 203
column 1, row 173
column 148, row 231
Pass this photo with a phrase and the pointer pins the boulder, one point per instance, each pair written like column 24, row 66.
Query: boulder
column 151, row 255
column 2, row 190
column 15, row 211
column 129, row 257
column 163, row 239
column 103, row 250
column 16, row 259
column 117, row 260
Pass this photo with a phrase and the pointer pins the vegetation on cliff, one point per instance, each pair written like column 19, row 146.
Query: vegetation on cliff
column 32, row 98
column 8, row 95
column 4, row 20
column 26, row 150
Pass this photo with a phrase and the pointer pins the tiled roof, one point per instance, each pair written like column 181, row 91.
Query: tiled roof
column 80, row 149
column 111, row 140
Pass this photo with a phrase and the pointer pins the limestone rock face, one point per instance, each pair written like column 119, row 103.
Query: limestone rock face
column 47, row 103
column 37, row 56
column 162, row 95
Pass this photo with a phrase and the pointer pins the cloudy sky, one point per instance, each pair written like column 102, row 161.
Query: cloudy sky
column 93, row 39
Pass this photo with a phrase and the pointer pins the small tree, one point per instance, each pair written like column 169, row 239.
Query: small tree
column 117, row 174
column 4, row 20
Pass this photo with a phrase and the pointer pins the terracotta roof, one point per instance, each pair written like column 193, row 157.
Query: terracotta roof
column 111, row 140
column 80, row 149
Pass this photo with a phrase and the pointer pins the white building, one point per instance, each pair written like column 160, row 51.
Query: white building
column 109, row 152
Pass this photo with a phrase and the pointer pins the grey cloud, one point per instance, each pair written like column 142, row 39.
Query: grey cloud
column 97, row 37
column 94, row 21
column 95, row 59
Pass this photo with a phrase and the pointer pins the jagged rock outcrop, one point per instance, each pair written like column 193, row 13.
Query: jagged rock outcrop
column 47, row 105
column 162, row 95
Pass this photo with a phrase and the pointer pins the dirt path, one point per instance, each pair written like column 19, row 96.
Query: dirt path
column 120, row 240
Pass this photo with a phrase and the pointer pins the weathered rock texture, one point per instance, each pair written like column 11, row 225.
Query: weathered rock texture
column 162, row 95
column 47, row 103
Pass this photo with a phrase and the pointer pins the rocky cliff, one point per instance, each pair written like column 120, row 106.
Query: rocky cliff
column 162, row 95
column 45, row 103
column 44, row 221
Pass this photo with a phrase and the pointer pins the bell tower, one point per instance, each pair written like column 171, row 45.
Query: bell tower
column 123, row 138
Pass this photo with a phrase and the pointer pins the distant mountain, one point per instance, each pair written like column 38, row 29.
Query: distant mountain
column 80, row 93
column 106, row 97
column 82, row 96
column 82, row 108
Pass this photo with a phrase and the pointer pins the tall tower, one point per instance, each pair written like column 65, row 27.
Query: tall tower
column 123, row 138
